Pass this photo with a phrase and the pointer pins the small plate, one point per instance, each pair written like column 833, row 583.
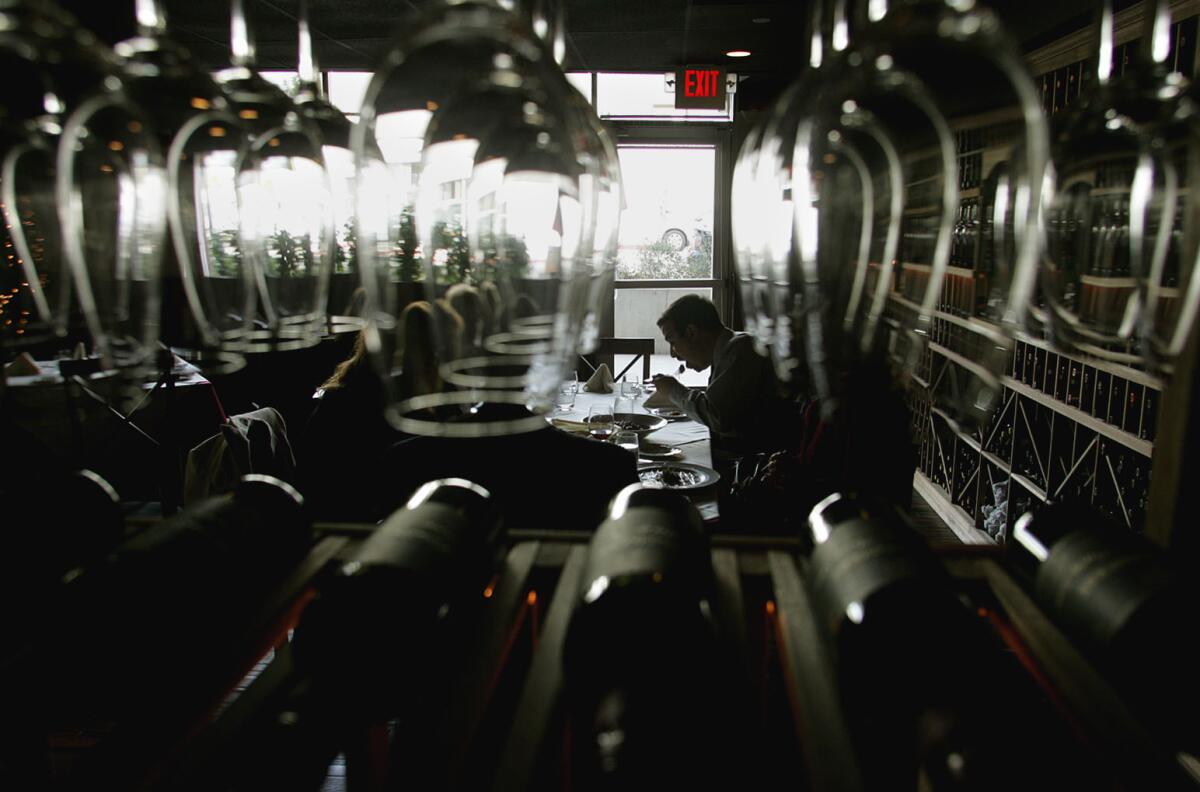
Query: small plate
column 652, row 450
column 677, row 476
column 670, row 413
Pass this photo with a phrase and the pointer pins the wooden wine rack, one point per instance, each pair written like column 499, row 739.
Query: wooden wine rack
column 502, row 724
column 1064, row 426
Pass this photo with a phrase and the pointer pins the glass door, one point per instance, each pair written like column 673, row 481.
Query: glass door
column 673, row 236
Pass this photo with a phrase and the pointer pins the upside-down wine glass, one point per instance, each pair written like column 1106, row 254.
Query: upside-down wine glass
column 334, row 128
column 208, row 297
column 988, row 86
column 52, row 65
column 473, row 187
column 1112, row 209
column 814, row 185
column 284, row 202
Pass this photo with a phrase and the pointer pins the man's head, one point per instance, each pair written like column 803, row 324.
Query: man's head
column 691, row 326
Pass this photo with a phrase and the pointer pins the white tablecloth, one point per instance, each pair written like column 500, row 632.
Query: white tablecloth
column 691, row 437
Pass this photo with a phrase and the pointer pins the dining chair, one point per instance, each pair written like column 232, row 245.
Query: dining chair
column 609, row 348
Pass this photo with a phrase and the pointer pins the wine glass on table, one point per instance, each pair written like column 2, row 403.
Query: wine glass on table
column 627, row 440
column 623, row 404
column 600, row 421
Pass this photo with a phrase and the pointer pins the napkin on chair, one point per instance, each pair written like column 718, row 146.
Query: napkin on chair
column 601, row 381
column 659, row 399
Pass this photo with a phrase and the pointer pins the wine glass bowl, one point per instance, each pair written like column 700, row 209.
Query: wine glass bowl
column 285, row 212
column 1113, row 225
column 630, row 441
column 479, row 184
column 600, row 421
column 51, row 66
column 208, row 309
column 334, row 131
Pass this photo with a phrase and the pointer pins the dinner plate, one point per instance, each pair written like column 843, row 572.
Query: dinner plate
column 652, row 450
column 677, row 475
column 641, row 423
column 670, row 413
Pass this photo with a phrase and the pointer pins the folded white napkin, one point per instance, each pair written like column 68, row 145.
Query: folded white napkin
column 659, row 399
column 601, row 380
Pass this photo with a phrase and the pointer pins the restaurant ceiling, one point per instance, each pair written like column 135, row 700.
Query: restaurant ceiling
column 618, row 35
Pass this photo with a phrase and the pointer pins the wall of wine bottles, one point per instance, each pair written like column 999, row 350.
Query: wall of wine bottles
column 1065, row 427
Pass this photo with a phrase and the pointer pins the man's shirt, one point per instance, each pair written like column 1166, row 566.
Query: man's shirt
column 742, row 407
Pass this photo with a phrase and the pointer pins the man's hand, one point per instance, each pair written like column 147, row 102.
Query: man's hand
column 669, row 386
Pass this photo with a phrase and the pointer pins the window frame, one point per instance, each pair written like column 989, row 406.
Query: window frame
column 666, row 133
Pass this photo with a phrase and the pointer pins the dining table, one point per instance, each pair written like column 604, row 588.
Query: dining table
column 74, row 421
column 691, row 437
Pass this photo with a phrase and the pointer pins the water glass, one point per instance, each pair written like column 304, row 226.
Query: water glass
column 565, row 401
column 627, row 440
column 623, row 405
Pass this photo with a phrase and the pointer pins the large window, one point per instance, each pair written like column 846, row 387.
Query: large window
column 667, row 223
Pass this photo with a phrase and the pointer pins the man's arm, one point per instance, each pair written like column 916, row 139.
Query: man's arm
column 729, row 400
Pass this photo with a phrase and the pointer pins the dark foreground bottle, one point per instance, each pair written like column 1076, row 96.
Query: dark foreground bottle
column 174, row 608
column 927, row 701
column 645, row 672
column 64, row 521
column 382, row 626
column 1123, row 604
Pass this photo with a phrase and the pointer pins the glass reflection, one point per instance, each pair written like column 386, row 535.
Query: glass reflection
column 478, row 189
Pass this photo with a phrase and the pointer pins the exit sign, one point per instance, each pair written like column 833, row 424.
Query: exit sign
column 700, row 88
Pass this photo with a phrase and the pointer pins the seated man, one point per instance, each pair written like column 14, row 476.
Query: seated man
column 743, row 407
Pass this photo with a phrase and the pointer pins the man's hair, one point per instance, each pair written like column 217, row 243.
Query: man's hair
column 692, row 309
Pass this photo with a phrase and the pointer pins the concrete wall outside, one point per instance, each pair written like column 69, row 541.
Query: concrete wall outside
column 637, row 312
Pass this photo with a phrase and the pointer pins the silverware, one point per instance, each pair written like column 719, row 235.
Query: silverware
column 676, row 373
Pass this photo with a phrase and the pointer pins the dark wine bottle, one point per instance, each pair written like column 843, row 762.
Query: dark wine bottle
column 927, row 697
column 191, row 589
column 61, row 524
column 1124, row 606
column 645, row 679
column 378, row 628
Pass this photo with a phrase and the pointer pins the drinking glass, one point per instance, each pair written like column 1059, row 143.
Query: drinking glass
column 565, row 402
column 51, row 66
column 622, row 404
column 631, row 386
column 1117, row 275
column 627, row 440
column 827, row 164
column 333, row 129
column 208, row 288
column 600, row 421
column 284, row 199
column 110, row 196
column 478, row 178
column 111, row 192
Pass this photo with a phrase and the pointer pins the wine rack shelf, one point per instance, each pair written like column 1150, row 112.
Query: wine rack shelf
column 1040, row 444
column 1064, row 426
column 502, row 724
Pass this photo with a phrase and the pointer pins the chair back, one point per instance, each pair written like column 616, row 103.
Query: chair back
column 607, row 350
